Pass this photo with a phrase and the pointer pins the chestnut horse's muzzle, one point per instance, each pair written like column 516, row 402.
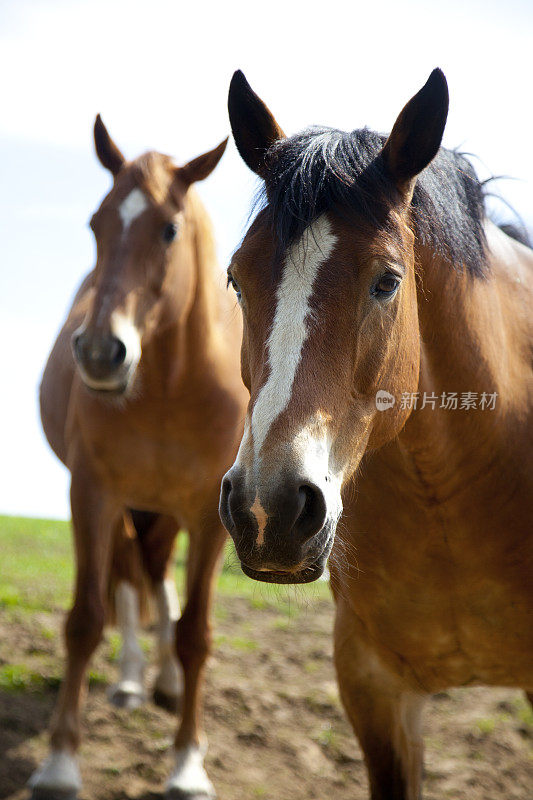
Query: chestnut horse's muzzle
column 281, row 535
column 102, row 361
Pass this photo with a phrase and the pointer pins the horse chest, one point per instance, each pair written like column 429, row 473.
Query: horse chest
column 454, row 613
column 145, row 462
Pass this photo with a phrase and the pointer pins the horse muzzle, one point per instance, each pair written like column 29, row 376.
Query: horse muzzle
column 283, row 535
column 105, row 362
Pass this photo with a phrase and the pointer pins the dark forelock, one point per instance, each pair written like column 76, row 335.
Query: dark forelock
column 325, row 169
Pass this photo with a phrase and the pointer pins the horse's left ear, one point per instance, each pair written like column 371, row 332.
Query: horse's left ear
column 417, row 133
column 202, row 166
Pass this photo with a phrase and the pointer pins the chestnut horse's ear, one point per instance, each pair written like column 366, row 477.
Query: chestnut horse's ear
column 253, row 126
column 108, row 153
column 417, row 133
column 202, row 166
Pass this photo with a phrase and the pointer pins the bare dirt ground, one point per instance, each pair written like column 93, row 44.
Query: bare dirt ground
column 275, row 725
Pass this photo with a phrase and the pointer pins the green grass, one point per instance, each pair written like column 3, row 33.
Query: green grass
column 37, row 572
column 237, row 643
column 328, row 738
column 487, row 725
column 524, row 711
column 20, row 678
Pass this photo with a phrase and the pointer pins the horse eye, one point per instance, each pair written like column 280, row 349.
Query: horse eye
column 169, row 232
column 232, row 282
column 386, row 285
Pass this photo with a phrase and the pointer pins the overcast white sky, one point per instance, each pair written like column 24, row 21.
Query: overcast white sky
column 158, row 72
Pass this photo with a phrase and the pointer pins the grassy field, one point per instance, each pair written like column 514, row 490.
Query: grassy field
column 38, row 553
column 38, row 571
column 273, row 717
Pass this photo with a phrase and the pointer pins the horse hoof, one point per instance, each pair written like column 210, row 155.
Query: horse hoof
column 52, row 794
column 128, row 698
column 189, row 780
column 170, row 702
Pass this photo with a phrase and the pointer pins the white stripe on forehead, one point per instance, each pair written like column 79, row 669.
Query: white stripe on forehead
column 290, row 327
column 131, row 207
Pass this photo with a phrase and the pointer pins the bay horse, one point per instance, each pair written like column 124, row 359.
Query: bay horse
column 142, row 400
column 387, row 349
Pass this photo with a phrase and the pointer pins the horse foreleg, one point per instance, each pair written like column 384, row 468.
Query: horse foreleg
column 93, row 518
column 157, row 536
column 128, row 692
column 168, row 686
column 189, row 780
column 384, row 711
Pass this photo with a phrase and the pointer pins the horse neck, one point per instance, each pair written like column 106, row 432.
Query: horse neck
column 182, row 350
column 473, row 339
column 473, row 329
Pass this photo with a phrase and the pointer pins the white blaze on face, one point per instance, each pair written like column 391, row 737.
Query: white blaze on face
column 131, row 207
column 312, row 446
column 291, row 325
column 261, row 518
column 124, row 329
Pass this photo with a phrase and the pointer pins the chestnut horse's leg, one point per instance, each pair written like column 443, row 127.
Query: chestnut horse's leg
column 385, row 713
column 189, row 780
column 94, row 519
column 157, row 537
column 128, row 598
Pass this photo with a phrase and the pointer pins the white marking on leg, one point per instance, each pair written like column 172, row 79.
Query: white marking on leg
column 189, row 774
column 131, row 207
column 58, row 772
column 291, row 325
column 131, row 658
column 261, row 518
column 169, row 679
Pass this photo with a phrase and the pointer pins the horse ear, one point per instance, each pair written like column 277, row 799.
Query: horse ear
column 253, row 126
column 202, row 166
column 417, row 133
column 108, row 153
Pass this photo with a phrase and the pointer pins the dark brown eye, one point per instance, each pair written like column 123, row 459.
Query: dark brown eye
column 386, row 285
column 233, row 283
column 170, row 232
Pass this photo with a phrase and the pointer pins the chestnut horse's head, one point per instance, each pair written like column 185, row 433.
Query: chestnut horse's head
column 144, row 276
column 326, row 280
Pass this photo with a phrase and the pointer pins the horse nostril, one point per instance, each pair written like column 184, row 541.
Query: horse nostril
column 77, row 345
column 224, row 507
column 312, row 513
column 117, row 352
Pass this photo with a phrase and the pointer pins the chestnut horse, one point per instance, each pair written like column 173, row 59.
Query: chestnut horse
column 387, row 339
column 142, row 399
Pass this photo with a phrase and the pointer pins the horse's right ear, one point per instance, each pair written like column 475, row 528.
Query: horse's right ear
column 253, row 126
column 108, row 153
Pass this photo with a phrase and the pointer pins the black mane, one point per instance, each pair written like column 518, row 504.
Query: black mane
column 324, row 168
